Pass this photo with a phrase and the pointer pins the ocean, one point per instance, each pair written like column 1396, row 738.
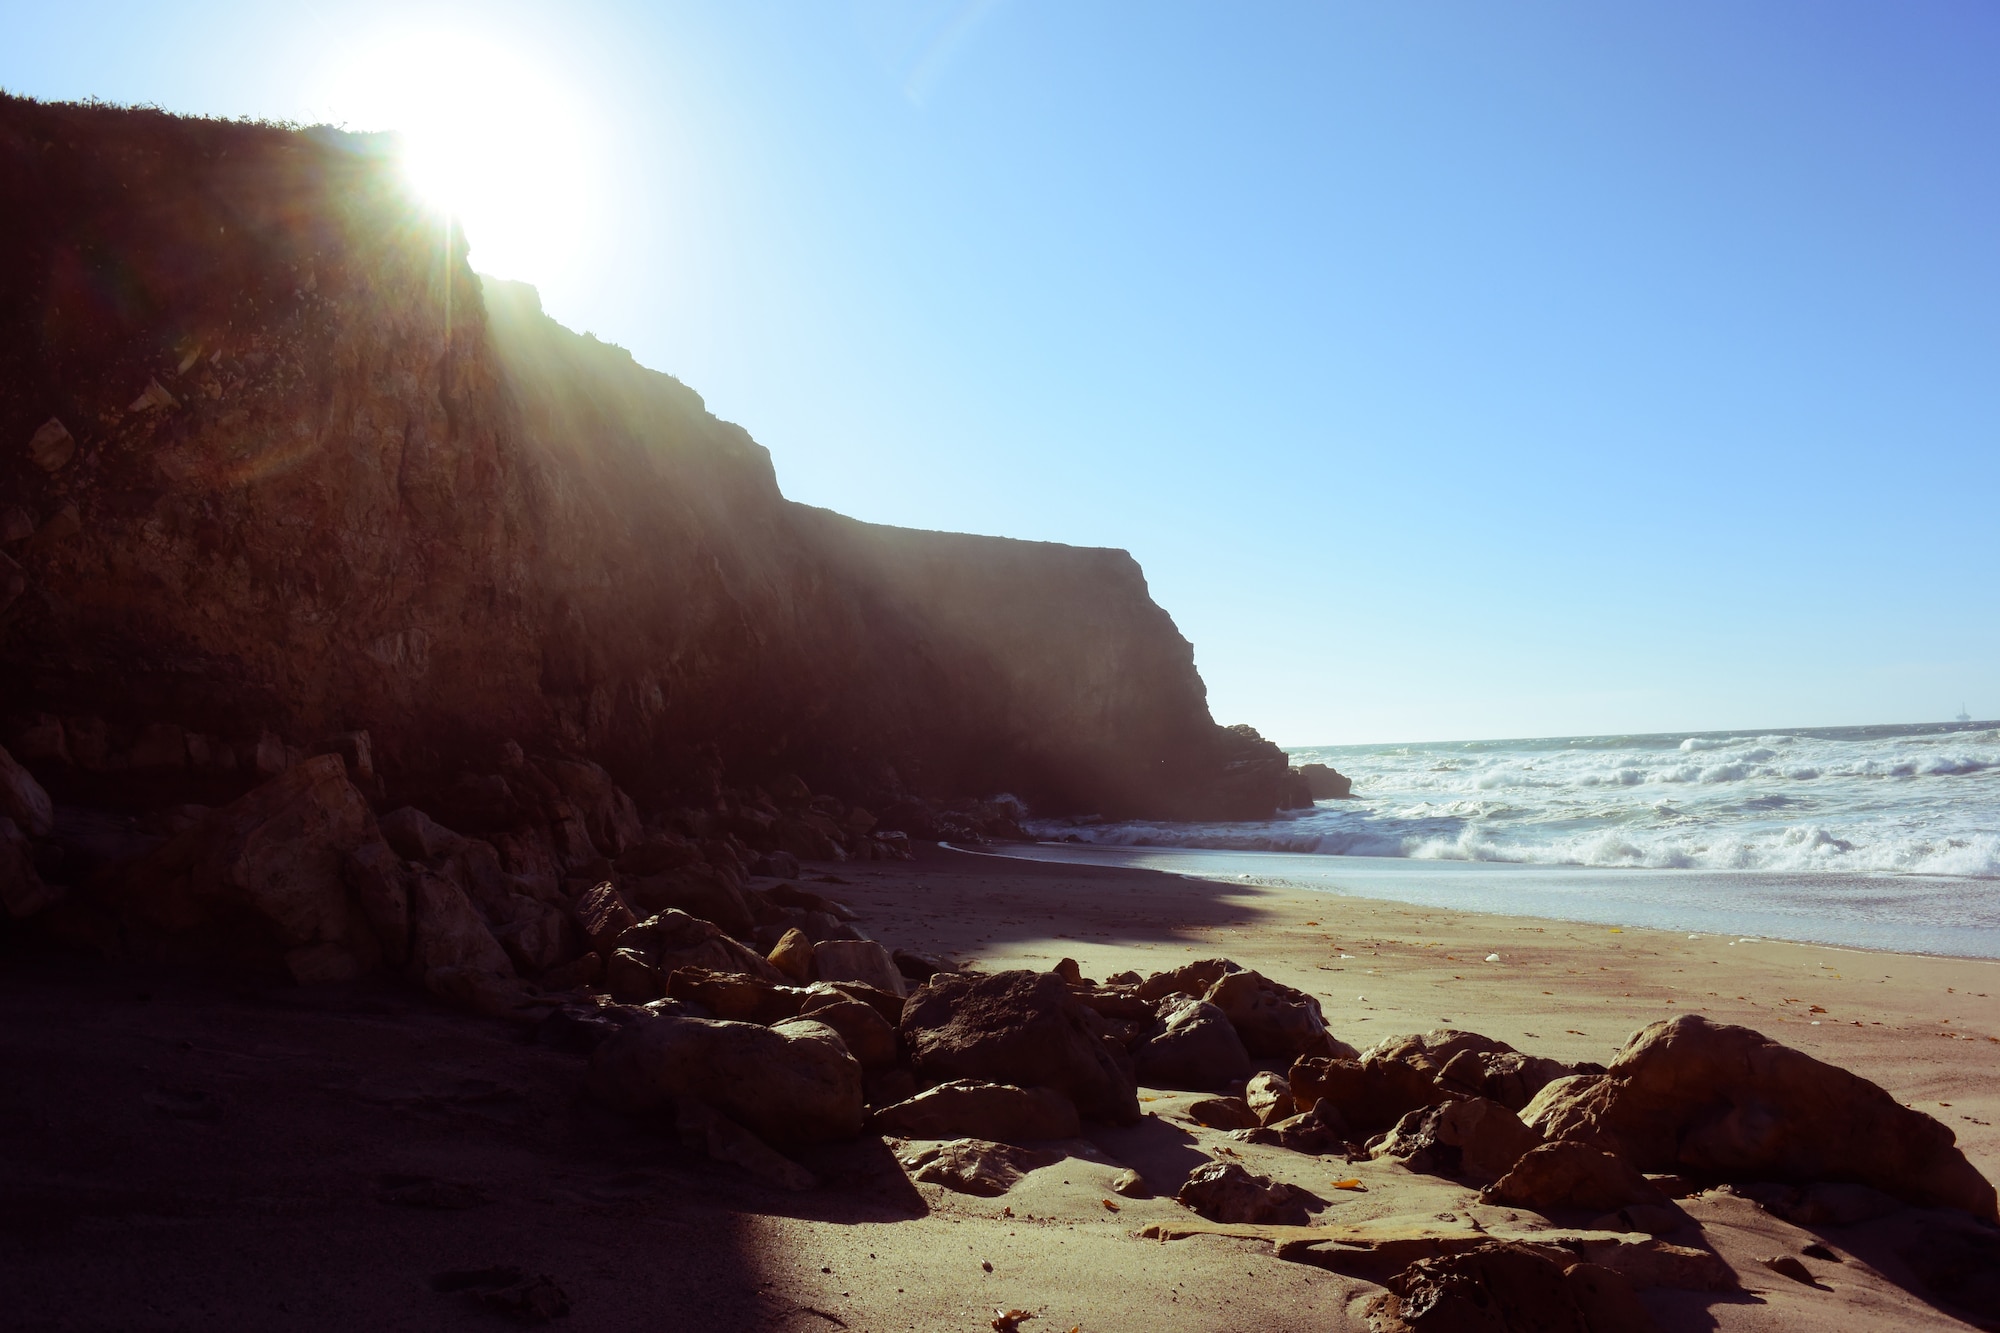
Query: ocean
column 1875, row 837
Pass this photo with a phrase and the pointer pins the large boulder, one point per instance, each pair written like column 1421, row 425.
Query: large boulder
column 1370, row 1094
column 967, row 1108
column 1192, row 1045
column 1503, row 1286
column 1572, row 1177
column 1725, row 1102
column 1469, row 1137
column 1472, row 1065
column 1024, row 1028
column 794, row 1082
column 976, row 1166
column 1274, row 1020
column 700, row 890
column 23, row 800
column 864, row 961
column 645, row 955
column 870, row 1038
column 262, row 878
column 736, row 996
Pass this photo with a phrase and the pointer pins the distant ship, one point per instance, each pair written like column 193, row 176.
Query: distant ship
column 1963, row 716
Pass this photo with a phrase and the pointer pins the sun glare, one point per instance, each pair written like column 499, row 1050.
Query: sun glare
column 488, row 138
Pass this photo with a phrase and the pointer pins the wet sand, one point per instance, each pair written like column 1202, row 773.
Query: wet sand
column 191, row 1152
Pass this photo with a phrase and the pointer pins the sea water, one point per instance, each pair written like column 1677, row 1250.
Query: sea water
column 1879, row 837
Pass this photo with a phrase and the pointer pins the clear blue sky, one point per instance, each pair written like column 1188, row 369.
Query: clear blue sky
column 1454, row 369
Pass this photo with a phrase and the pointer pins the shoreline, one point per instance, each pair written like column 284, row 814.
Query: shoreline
column 1558, row 892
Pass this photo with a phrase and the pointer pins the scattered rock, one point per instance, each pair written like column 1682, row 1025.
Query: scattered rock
column 1226, row 1192
column 1784, row 1265
column 152, row 396
column 648, row 953
column 859, row 960
column 968, row 1108
column 1319, row 1130
column 1192, row 1045
column 1269, row 1097
column 1131, row 1185
column 1728, row 1102
column 51, row 446
column 975, row 1166
column 1470, row 1137
column 1222, row 1113
column 1024, row 1028
column 794, row 1082
column 1561, row 1176
column 1190, row 979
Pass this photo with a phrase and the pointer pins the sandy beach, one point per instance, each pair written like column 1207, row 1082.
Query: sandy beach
column 324, row 1157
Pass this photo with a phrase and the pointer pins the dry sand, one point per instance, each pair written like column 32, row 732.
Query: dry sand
column 186, row 1152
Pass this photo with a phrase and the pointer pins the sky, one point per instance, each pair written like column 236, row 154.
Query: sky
column 1454, row 370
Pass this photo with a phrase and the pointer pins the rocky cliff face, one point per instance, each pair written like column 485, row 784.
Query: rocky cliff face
column 274, row 464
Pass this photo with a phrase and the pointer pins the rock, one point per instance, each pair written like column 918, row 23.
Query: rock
column 1190, row 979
column 51, row 446
column 672, row 940
column 1729, row 1103
column 1131, row 1185
column 1371, row 1093
column 793, row 1082
column 974, row 1166
column 700, row 891
column 447, row 935
column 607, row 812
column 1226, row 1192
column 1325, row 784
column 22, row 889
column 967, row 1108
column 414, row 834
column 1193, row 1045
column 1470, row 1137
column 869, row 1037
column 378, row 880
column 793, row 955
column 1957, row 1259
column 16, row 524
column 706, row 1130
column 273, row 861
column 1274, row 1020
column 1555, row 1177
column 741, row 998
column 23, row 800
column 1499, row 1286
column 829, row 992
column 1785, row 1265
column 1024, row 1028
column 602, row 916
column 630, row 979
column 585, row 970
column 1607, row 1300
column 1319, row 1130
column 152, row 396
column 1468, row 1064
column 1221, row 1113
column 536, row 936
column 918, row 967
column 886, row 1087
column 1269, row 1097
column 858, row 960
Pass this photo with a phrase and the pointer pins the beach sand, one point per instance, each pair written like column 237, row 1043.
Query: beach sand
column 191, row 1152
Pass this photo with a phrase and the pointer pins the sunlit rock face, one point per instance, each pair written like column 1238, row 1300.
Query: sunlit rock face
column 312, row 476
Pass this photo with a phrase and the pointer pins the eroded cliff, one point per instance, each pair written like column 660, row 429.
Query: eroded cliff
column 275, row 464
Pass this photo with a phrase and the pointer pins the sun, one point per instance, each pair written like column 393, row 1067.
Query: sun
column 488, row 138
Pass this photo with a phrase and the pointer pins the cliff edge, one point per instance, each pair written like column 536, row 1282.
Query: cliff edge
column 276, row 465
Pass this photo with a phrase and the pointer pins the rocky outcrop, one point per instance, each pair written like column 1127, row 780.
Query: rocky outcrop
column 1023, row 1028
column 275, row 473
column 1725, row 1102
column 795, row 1082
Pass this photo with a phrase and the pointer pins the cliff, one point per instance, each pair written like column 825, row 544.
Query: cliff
column 275, row 464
